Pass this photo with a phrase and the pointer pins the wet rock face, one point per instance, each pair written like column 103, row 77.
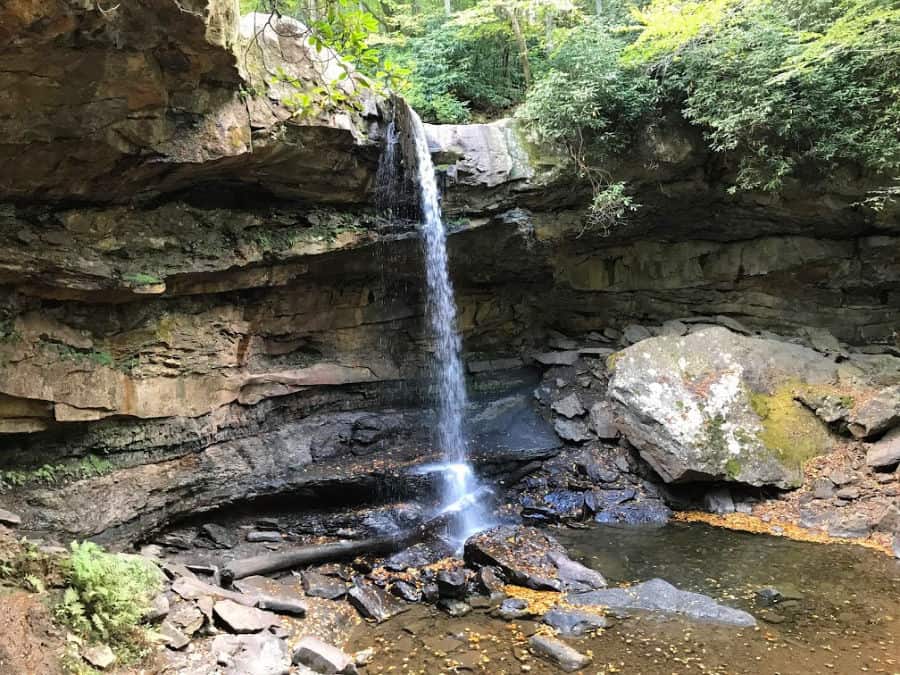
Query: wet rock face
column 716, row 405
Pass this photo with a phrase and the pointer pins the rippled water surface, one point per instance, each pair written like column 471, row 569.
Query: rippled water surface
column 841, row 612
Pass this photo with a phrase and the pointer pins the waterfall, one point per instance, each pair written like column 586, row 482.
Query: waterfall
column 461, row 490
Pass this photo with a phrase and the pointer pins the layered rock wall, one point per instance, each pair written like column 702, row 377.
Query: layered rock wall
column 199, row 304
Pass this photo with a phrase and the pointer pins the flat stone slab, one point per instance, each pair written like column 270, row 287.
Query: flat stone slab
column 261, row 654
column 318, row 585
column 241, row 619
column 574, row 622
column 322, row 657
column 9, row 518
column 883, row 453
column 374, row 602
column 658, row 595
column 564, row 656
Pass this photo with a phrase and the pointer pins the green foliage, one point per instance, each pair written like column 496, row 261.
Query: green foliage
column 781, row 84
column 53, row 474
column 611, row 205
column 587, row 101
column 107, row 593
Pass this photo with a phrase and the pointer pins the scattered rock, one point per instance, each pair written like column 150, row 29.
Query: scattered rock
column 514, row 608
column 180, row 540
column 159, row 608
column 657, row 595
column 840, row 477
column 263, row 536
column 881, row 454
column 768, row 596
column 406, row 591
column 430, row 592
column 600, row 500
column 489, row 581
column 640, row 513
column 282, row 605
column 877, row 415
column 634, row 333
column 564, row 656
column 559, row 341
column 769, row 616
column 719, row 501
column 187, row 617
column 414, row 556
column 574, row 622
column 521, row 552
column 173, row 637
column 853, row 526
column 9, row 518
column 241, row 619
column 317, row 585
column 374, row 602
column 191, row 588
column 322, row 657
column 100, row 656
column 452, row 582
column 566, row 358
column 847, row 493
column 572, row 430
column 823, row 341
column 570, row 406
column 261, row 654
column 575, row 576
column 674, row 328
column 823, row 488
column 454, row 607
column 219, row 536
column 602, row 421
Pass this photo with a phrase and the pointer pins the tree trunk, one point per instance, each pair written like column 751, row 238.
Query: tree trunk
column 341, row 550
column 598, row 6
column 448, row 7
column 520, row 42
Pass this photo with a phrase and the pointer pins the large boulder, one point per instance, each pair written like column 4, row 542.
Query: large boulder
column 715, row 405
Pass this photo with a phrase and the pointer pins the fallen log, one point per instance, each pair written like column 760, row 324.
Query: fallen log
column 340, row 550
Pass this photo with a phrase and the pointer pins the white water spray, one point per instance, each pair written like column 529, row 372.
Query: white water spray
column 461, row 490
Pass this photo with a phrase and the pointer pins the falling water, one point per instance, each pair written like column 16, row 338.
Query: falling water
column 461, row 490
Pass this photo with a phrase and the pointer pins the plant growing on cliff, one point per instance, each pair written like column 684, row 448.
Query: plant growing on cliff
column 107, row 593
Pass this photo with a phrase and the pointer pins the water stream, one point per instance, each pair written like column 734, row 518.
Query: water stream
column 461, row 490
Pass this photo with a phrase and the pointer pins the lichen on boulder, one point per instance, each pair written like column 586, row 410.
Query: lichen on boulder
column 715, row 405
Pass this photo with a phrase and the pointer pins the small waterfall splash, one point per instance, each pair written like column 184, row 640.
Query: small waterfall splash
column 462, row 493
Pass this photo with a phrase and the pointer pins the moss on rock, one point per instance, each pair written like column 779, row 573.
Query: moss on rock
column 789, row 430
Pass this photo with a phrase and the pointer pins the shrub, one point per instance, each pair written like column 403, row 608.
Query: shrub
column 587, row 101
column 107, row 593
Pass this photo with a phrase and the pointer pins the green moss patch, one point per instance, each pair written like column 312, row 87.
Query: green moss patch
column 789, row 429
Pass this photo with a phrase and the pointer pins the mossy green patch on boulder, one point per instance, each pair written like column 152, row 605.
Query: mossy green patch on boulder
column 718, row 406
column 789, row 429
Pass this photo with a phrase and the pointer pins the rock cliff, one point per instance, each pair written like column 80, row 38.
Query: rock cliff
column 199, row 304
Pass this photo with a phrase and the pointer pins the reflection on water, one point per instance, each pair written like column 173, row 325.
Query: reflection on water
column 838, row 611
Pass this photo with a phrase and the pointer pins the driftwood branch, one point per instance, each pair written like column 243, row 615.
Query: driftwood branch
column 341, row 550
